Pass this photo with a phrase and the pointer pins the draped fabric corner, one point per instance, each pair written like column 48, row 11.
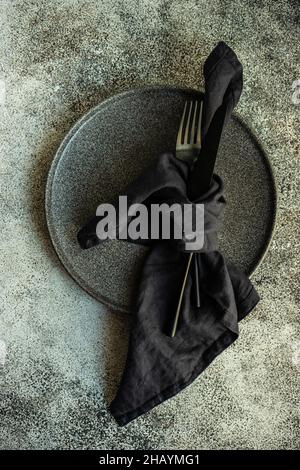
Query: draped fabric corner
column 159, row 366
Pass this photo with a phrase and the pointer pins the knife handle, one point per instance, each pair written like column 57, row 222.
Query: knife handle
column 203, row 169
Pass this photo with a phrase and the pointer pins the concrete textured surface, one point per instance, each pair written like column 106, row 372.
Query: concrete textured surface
column 61, row 352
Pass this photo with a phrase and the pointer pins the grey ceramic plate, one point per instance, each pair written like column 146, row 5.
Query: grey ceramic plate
column 108, row 148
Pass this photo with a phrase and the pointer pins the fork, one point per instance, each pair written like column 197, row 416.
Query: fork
column 188, row 142
column 188, row 147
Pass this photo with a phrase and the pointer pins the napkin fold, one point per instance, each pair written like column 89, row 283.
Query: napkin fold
column 158, row 366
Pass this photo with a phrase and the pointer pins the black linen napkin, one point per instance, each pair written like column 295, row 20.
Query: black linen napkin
column 157, row 365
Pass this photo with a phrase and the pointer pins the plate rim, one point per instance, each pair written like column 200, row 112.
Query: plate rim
column 83, row 120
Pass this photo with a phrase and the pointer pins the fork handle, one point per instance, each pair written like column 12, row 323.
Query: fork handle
column 175, row 323
column 195, row 285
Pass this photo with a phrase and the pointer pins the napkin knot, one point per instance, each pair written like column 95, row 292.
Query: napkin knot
column 213, row 204
column 166, row 183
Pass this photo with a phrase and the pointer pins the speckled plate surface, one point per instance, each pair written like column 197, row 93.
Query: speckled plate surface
column 109, row 147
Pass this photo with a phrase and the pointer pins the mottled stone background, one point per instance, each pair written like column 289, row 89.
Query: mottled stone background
column 65, row 351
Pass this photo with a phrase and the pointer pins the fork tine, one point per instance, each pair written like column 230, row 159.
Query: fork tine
column 198, row 139
column 186, row 135
column 192, row 139
column 179, row 135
